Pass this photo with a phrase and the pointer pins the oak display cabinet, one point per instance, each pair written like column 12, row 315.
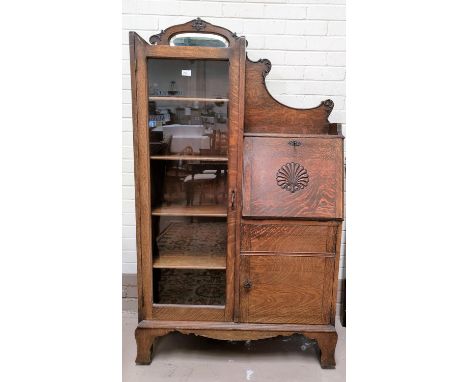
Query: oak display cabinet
column 239, row 199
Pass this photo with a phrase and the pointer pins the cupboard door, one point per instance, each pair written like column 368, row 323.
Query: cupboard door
column 293, row 177
column 286, row 289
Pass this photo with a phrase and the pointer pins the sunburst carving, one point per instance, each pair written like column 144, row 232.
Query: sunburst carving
column 292, row 177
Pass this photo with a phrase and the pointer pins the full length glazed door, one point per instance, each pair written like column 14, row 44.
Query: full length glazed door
column 186, row 128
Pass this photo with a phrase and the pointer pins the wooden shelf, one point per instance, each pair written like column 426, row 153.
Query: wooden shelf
column 178, row 210
column 200, row 245
column 168, row 98
column 190, row 157
column 190, row 261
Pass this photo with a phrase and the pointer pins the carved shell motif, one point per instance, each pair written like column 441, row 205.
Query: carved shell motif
column 292, row 177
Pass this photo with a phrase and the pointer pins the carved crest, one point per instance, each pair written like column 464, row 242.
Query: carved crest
column 267, row 63
column 292, row 177
column 156, row 37
column 198, row 24
column 328, row 104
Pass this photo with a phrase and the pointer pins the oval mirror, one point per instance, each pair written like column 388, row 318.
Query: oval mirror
column 199, row 39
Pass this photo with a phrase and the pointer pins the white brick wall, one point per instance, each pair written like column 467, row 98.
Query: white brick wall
column 304, row 40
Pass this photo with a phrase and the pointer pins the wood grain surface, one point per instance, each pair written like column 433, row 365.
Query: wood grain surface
column 188, row 52
column 190, row 261
column 188, row 312
column 149, row 331
column 236, row 107
column 287, row 237
column 190, row 158
column 320, row 198
column 142, row 175
column 286, row 289
column 215, row 210
column 263, row 113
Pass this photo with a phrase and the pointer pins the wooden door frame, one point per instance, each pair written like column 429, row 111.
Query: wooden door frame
column 140, row 51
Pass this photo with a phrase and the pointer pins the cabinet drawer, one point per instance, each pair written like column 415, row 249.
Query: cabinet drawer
column 287, row 237
column 293, row 177
column 286, row 289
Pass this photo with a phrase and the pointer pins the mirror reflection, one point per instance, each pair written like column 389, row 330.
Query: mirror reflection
column 199, row 39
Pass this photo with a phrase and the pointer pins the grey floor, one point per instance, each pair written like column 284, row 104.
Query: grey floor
column 179, row 357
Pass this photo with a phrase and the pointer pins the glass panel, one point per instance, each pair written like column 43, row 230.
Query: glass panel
column 199, row 39
column 188, row 138
column 203, row 242
column 189, row 187
column 190, row 286
column 188, row 107
column 188, row 130
column 188, row 78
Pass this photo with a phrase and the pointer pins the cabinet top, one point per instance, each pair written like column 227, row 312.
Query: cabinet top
column 195, row 27
column 262, row 112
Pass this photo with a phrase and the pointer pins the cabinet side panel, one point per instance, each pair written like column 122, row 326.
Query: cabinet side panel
column 339, row 162
column 142, row 175
column 133, row 66
column 233, row 261
column 338, row 234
